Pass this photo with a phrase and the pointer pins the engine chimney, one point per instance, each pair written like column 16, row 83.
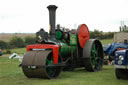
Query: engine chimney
column 52, row 19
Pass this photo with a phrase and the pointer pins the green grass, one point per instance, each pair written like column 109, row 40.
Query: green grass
column 16, row 50
column 106, row 41
column 11, row 74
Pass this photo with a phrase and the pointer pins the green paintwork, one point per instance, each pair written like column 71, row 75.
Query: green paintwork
column 58, row 35
column 66, row 49
column 73, row 48
column 73, row 40
column 50, row 70
column 94, row 55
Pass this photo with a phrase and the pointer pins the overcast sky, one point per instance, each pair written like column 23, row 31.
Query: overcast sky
column 28, row 16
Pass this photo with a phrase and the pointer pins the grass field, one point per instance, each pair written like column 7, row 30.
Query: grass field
column 11, row 74
column 106, row 41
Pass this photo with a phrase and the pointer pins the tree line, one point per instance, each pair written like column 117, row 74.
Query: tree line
column 17, row 42
column 101, row 35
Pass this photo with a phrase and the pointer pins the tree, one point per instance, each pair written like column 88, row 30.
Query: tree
column 4, row 45
column 29, row 40
column 16, row 42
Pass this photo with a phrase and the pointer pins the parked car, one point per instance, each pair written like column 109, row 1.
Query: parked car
column 0, row 52
column 121, row 64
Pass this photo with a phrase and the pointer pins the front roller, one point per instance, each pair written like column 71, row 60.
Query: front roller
column 93, row 55
column 39, row 64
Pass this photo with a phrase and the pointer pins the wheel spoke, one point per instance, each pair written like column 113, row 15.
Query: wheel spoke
column 50, row 70
column 94, row 56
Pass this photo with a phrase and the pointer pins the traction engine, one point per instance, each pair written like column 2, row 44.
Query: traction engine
column 61, row 49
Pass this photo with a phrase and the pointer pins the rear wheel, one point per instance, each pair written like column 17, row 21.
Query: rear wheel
column 93, row 55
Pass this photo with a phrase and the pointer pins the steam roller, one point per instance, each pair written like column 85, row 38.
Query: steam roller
column 61, row 49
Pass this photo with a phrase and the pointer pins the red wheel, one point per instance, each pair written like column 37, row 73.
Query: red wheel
column 83, row 34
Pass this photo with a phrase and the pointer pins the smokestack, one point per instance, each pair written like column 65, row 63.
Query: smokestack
column 52, row 19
